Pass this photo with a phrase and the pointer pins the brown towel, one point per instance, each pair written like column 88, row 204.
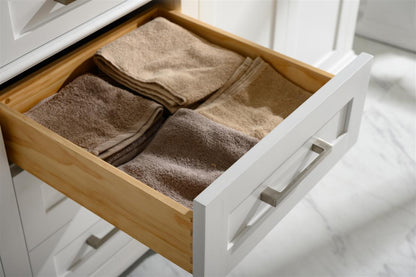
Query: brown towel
column 132, row 150
column 167, row 63
column 256, row 102
column 97, row 116
column 187, row 154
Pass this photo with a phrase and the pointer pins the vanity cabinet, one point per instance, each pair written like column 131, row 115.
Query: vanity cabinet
column 228, row 218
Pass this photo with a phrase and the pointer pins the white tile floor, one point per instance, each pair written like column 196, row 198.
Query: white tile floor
column 360, row 220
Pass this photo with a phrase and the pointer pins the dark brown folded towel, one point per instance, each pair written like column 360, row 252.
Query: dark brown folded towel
column 133, row 149
column 97, row 116
column 258, row 100
column 187, row 154
column 167, row 63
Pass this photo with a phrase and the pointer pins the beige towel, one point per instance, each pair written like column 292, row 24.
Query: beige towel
column 97, row 116
column 256, row 102
column 187, row 154
column 167, row 63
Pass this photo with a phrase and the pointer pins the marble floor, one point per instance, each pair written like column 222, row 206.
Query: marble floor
column 360, row 220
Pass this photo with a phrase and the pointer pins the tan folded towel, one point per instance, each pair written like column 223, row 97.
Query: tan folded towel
column 167, row 63
column 97, row 116
column 241, row 70
column 256, row 102
column 187, row 154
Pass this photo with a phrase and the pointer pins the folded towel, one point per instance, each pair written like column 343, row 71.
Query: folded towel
column 132, row 150
column 258, row 100
column 241, row 70
column 97, row 116
column 167, row 63
column 187, row 154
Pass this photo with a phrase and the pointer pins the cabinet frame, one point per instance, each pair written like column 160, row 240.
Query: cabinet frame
column 154, row 219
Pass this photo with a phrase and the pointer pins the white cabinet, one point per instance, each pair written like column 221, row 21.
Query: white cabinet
column 233, row 214
column 64, row 255
column 43, row 210
column 33, row 30
column 318, row 32
column 37, row 222
column 29, row 24
column 13, row 251
column 50, row 236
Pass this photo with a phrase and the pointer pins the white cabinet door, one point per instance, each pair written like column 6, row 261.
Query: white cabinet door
column 13, row 250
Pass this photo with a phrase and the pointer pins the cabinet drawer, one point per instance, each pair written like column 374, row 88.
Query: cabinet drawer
column 43, row 210
column 61, row 256
column 225, row 223
column 29, row 24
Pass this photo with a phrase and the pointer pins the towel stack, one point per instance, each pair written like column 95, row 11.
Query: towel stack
column 187, row 154
column 108, row 121
column 244, row 100
column 176, row 68
column 254, row 100
column 168, row 64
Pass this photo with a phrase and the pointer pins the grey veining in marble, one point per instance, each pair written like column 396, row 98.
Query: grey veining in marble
column 360, row 220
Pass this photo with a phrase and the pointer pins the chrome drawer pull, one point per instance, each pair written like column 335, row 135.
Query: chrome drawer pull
column 96, row 243
column 65, row 2
column 274, row 197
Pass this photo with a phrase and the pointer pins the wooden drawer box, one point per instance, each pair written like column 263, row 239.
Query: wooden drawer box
column 230, row 217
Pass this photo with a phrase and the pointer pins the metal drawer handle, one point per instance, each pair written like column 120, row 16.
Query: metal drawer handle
column 96, row 243
column 274, row 197
column 65, row 2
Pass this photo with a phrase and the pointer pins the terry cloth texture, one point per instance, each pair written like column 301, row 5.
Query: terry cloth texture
column 187, row 154
column 167, row 63
column 257, row 101
column 134, row 148
column 97, row 116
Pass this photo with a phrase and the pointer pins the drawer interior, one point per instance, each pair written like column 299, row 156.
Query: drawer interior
column 147, row 215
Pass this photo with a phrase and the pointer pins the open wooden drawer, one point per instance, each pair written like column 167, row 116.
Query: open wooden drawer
column 236, row 211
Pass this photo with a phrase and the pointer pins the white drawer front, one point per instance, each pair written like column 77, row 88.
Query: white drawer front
column 77, row 258
column 66, row 250
column 121, row 260
column 230, row 217
column 43, row 209
column 80, row 259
